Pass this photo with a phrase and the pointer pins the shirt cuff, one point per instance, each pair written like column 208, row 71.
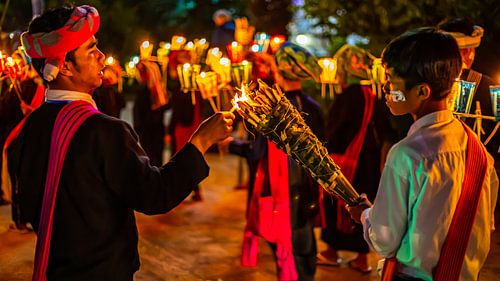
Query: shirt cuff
column 365, row 221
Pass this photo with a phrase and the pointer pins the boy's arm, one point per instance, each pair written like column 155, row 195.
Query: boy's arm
column 385, row 223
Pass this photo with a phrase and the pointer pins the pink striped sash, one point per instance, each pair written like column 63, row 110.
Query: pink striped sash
column 67, row 123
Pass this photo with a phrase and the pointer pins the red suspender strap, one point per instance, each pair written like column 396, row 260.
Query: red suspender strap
column 67, row 123
column 454, row 248
column 455, row 244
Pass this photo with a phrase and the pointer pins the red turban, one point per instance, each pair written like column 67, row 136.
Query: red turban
column 54, row 45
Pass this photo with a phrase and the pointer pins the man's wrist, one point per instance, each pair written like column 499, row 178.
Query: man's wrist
column 199, row 143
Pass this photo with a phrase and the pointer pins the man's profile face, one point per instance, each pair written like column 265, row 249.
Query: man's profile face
column 88, row 69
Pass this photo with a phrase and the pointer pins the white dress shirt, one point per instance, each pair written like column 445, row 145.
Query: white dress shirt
column 59, row 95
column 417, row 196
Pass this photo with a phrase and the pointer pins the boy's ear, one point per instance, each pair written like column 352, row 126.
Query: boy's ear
column 66, row 68
column 424, row 91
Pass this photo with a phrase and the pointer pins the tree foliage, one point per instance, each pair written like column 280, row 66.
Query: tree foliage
column 382, row 20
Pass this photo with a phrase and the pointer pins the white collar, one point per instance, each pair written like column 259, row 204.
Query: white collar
column 431, row 118
column 69, row 95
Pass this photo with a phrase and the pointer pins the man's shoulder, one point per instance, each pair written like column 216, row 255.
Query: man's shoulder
column 108, row 123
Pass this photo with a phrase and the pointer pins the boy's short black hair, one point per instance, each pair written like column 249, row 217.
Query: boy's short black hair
column 47, row 22
column 457, row 25
column 425, row 55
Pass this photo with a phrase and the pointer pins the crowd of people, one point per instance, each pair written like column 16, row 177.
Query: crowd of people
column 404, row 151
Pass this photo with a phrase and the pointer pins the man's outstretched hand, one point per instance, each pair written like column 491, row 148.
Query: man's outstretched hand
column 214, row 129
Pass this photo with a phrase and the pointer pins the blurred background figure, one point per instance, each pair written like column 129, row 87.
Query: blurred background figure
column 109, row 98
column 21, row 94
column 150, row 103
column 282, row 191
column 186, row 116
column 468, row 37
column 358, row 136
column 223, row 33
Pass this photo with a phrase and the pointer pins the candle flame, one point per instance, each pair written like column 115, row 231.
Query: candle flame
column 180, row 39
column 110, row 60
column 186, row 66
column 10, row 61
column 145, row 44
column 234, row 44
column 224, row 61
column 203, row 75
column 255, row 48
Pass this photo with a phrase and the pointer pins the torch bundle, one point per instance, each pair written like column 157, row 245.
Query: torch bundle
column 273, row 116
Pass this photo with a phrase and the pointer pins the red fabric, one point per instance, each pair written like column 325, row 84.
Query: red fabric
column 269, row 217
column 82, row 25
column 389, row 269
column 38, row 98
column 182, row 134
column 348, row 162
column 454, row 248
column 67, row 123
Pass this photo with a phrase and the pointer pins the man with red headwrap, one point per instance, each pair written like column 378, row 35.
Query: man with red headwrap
column 80, row 174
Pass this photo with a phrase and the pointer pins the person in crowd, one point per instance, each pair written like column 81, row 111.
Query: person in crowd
column 186, row 116
column 109, row 98
column 282, row 191
column 434, row 211
column 358, row 136
column 149, row 107
column 16, row 103
column 223, row 33
column 468, row 38
column 82, row 174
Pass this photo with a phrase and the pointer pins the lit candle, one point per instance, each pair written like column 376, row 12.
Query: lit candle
column 110, row 60
column 276, row 42
column 146, row 49
column 177, row 42
column 224, row 70
column 235, row 52
column 186, row 75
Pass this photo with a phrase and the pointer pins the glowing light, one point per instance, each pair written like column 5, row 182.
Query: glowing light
column 215, row 51
column 302, row 39
column 145, row 44
column 167, row 46
column 255, row 48
column 135, row 59
column 203, row 75
column 10, row 61
column 186, row 66
column 110, row 60
column 245, row 62
column 224, row 61
column 189, row 45
column 131, row 64
column 203, row 41
column 180, row 39
column 234, row 44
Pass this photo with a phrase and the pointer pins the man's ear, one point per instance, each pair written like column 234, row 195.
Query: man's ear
column 424, row 91
column 67, row 68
